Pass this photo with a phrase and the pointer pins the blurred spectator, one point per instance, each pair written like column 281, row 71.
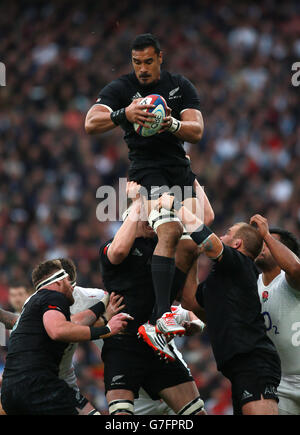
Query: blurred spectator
column 59, row 55
column 17, row 295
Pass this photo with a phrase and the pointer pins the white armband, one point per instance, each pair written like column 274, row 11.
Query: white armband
column 199, row 323
column 175, row 125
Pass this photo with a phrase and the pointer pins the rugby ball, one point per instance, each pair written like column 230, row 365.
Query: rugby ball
column 160, row 111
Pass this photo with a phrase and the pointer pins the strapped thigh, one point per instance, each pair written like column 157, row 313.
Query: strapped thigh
column 157, row 218
column 121, row 406
column 192, row 407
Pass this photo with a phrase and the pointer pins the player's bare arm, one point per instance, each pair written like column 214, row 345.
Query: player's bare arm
column 283, row 256
column 125, row 236
column 98, row 119
column 8, row 318
column 191, row 125
column 203, row 201
column 60, row 329
column 208, row 242
column 188, row 299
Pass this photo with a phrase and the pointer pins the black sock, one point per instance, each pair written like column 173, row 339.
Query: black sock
column 176, row 292
column 177, row 285
column 163, row 269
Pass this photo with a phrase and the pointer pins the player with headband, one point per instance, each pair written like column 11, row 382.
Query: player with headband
column 31, row 384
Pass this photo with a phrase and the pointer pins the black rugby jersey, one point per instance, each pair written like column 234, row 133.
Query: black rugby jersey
column 230, row 298
column 163, row 149
column 132, row 279
column 30, row 348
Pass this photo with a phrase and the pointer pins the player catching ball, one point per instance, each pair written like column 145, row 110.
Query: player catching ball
column 158, row 162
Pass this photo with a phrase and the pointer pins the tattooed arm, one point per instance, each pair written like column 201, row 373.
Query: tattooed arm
column 8, row 318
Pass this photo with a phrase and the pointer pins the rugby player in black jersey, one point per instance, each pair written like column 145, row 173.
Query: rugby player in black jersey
column 157, row 161
column 129, row 363
column 232, row 311
column 30, row 384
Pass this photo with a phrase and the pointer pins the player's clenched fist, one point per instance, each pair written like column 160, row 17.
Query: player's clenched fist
column 118, row 322
column 261, row 224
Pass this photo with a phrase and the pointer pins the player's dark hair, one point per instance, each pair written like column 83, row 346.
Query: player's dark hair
column 69, row 267
column 45, row 269
column 287, row 238
column 253, row 242
column 146, row 40
column 18, row 284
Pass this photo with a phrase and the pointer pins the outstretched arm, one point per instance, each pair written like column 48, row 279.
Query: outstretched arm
column 204, row 201
column 188, row 299
column 120, row 247
column 60, row 329
column 283, row 256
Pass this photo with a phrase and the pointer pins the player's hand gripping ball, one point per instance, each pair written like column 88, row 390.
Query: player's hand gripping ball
column 160, row 111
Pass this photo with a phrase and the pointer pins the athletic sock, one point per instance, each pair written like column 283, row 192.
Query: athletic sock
column 177, row 285
column 163, row 269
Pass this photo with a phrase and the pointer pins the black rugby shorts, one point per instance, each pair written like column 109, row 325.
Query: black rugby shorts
column 38, row 394
column 129, row 364
column 156, row 181
column 253, row 375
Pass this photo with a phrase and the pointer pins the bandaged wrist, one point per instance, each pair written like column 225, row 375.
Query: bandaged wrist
column 175, row 125
column 98, row 309
column 118, row 116
column 201, row 234
column 98, row 332
column 198, row 323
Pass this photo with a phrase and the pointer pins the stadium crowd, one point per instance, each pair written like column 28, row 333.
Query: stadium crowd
column 58, row 56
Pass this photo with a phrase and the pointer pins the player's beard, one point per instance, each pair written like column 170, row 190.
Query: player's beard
column 265, row 263
column 146, row 84
column 68, row 292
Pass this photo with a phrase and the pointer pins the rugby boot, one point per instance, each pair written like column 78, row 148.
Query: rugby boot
column 168, row 326
column 157, row 342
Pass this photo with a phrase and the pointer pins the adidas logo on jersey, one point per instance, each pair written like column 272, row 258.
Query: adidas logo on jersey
column 137, row 252
column 246, row 395
column 137, row 95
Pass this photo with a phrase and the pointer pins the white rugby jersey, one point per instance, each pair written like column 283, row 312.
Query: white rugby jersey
column 84, row 298
column 281, row 309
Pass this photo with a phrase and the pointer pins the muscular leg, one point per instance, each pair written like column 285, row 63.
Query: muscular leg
column 123, row 396
column 170, row 250
column 179, row 396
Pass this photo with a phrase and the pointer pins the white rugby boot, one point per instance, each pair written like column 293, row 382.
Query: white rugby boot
column 157, row 342
column 168, row 326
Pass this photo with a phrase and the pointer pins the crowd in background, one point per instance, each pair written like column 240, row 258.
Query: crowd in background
column 58, row 56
